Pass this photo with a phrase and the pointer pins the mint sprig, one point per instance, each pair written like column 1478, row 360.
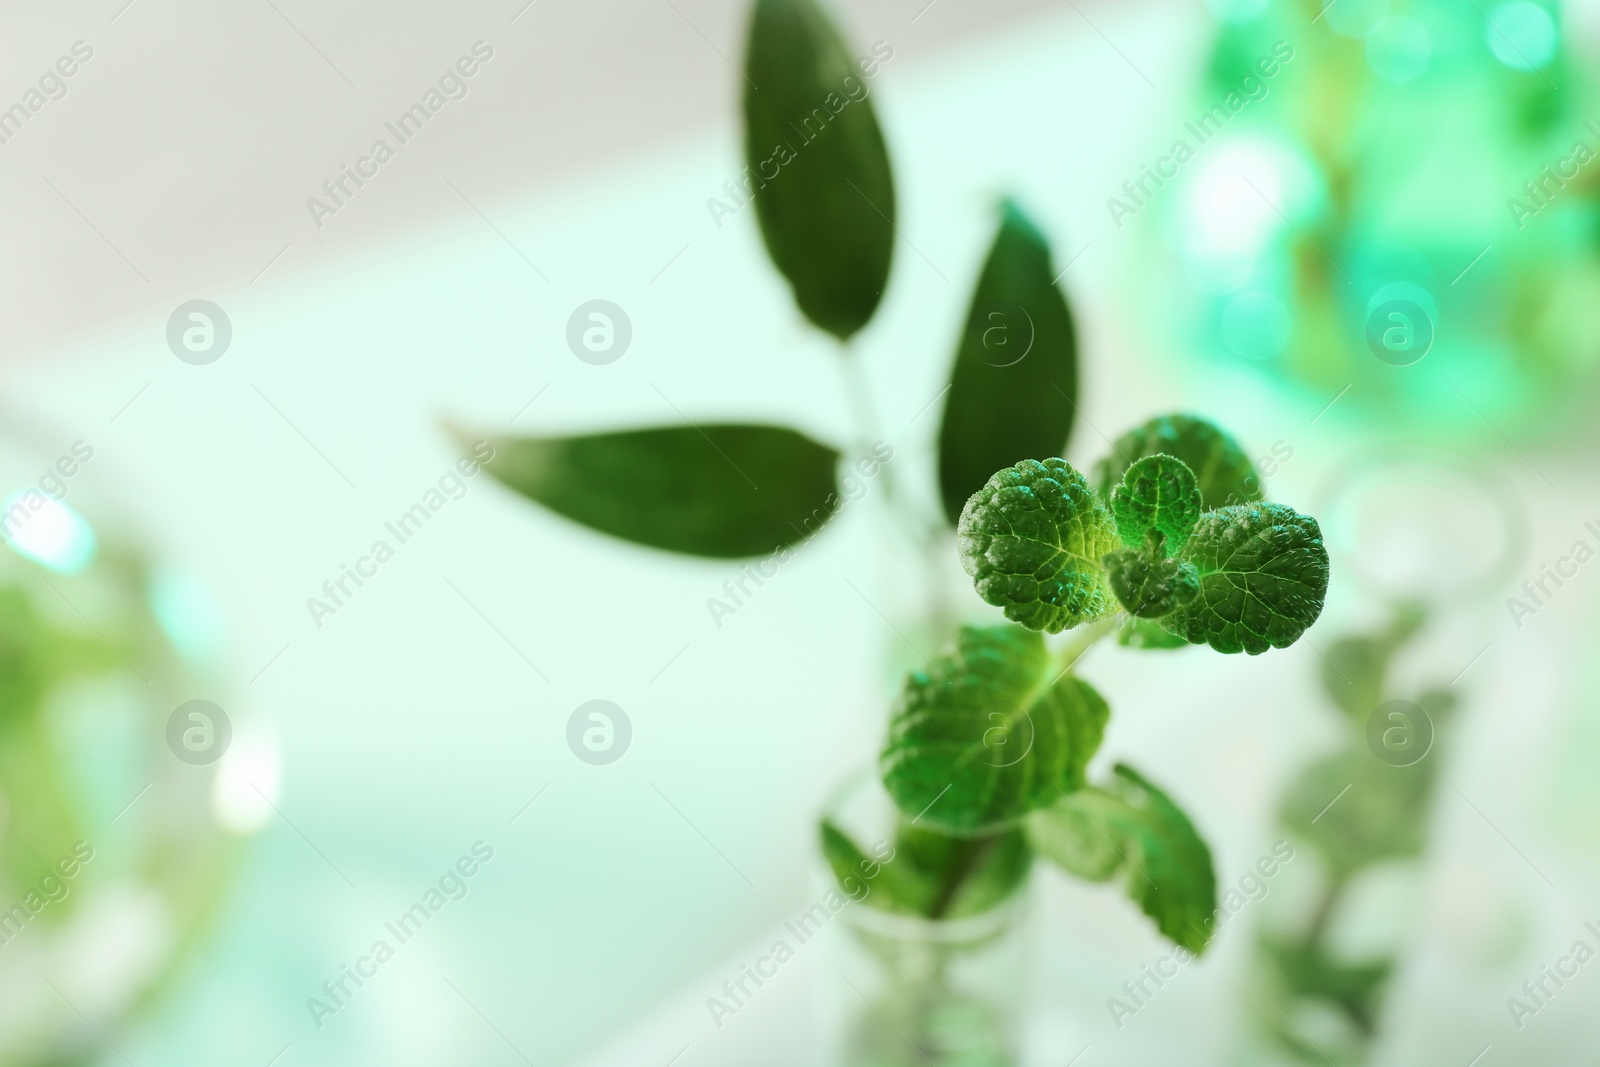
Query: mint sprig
column 1175, row 547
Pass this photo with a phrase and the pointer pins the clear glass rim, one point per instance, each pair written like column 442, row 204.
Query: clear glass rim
column 898, row 926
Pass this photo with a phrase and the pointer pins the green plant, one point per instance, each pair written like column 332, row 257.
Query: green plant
column 1362, row 806
column 1172, row 545
column 819, row 178
column 1148, row 555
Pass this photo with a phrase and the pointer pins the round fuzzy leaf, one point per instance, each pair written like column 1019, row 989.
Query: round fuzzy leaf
column 1033, row 538
column 818, row 166
column 724, row 491
column 1157, row 494
column 1223, row 471
column 988, row 733
column 1263, row 576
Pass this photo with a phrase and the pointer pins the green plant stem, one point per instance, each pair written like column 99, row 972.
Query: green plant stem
column 1086, row 637
column 865, row 413
column 1332, row 893
column 957, row 875
column 926, row 534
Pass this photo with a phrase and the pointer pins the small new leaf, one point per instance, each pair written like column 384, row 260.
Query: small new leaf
column 1221, row 468
column 1131, row 826
column 1149, row 584
column 991, row 731
column 1032, row 538
column 1158, row 493
column 1263, row 576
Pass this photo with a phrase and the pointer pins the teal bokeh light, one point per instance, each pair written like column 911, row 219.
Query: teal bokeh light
column 1398, row 50
column 1355, row 18
column 1522, row 35
column 1255, row 325
column 183, row 606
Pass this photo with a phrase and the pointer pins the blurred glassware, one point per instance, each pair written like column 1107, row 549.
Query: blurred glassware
column 1406, row 208
column 905, row 990
column 1325, row 961
column 111, row 860
column 1411, row 521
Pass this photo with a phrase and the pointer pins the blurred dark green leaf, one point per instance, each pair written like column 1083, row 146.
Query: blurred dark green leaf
column 1132, row 826
column 818, row 165
column 989, row 732
column 1014, row 387
column 724, row 490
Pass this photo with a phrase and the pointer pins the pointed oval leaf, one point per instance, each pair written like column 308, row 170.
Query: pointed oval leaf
column 724, row 490
column 1225, row 474
column 1015, row 381
column 1158, row 494
column 817, row 166
column 1033, row 539
column 1263, row 576
column 991, row 731
column 1167, row 864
